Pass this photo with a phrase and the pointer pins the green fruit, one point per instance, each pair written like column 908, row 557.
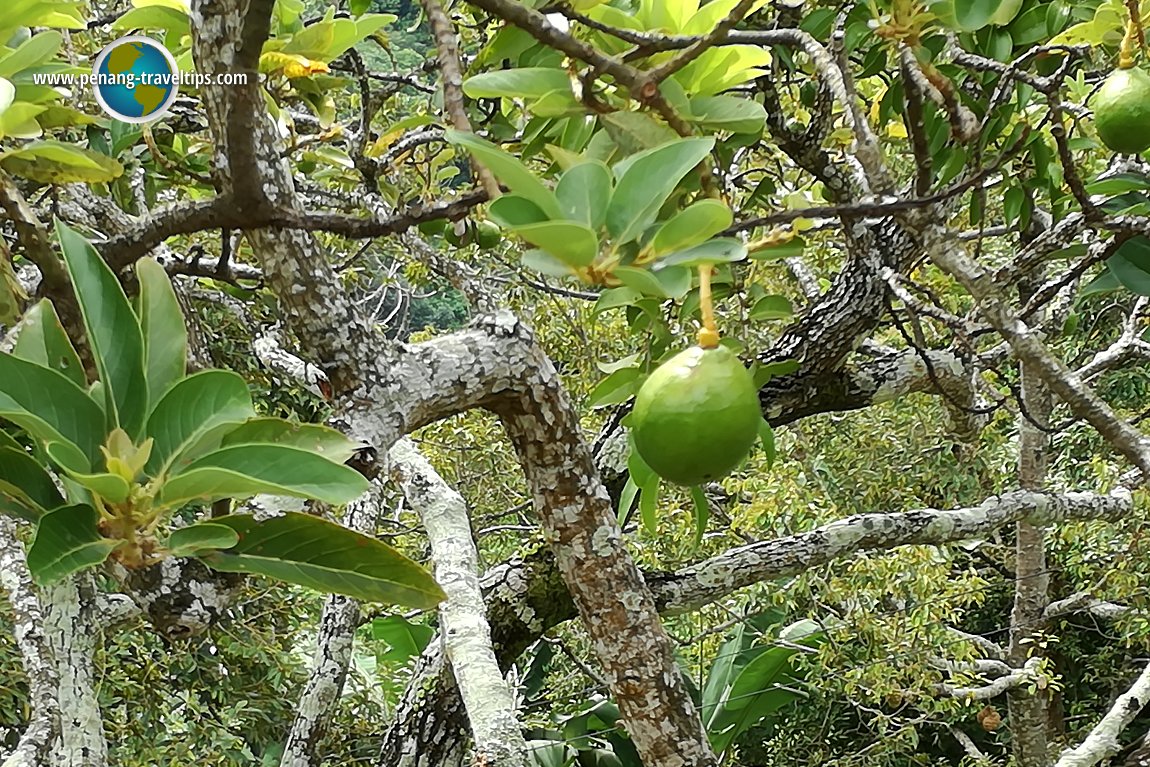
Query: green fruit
column 697, row 416
column 487, row 234
column 1122, row 111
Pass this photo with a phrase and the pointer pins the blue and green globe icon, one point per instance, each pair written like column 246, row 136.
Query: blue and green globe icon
column 136, row 79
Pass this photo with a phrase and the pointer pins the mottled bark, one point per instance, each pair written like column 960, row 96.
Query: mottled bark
column 72, row 631
column 35, row 746
column 1027, row 707
column 466, row 634
column 335, row 640
column 1102, row 742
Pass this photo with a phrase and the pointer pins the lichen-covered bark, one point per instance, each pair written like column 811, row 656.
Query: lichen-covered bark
column 35, row 746
column 335, row 640
column 466, row 634
column 1102, row 742
column 72, row 631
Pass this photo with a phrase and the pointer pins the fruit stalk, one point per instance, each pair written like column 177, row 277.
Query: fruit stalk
column 708, row 335
column 1135, row 35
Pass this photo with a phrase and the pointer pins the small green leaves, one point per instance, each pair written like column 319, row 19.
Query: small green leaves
column 204, row 537
column 67, row 540
column 112, row 328
column 312, row 552
column 240, row 471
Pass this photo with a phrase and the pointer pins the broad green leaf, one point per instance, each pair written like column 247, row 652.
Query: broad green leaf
column 1106, row 282
column 404, row 639
column 54, row 162
column 636, row 131
column 49, row 406
column 647, row 180
column 545, row 263
column 67, row 540
column 195, row 407
column 512, row 210
column 718, row 251
column 242, row 471
column 613, row 298
column 7, row 94
column 730, row 113
column 202, row 537
column 772, row 307
column 708, row 17
column 966, row 15
column 312, row 552
column 720, row 69
column 640, row 280
column 584, row 192
column 154, row 17
column 509, row 170
column 19, row 120
column 786, row 249
column 162, row 324
column 1130, row 264
column 572, row 243
column 311, row 437
column 36, row 50
column 110, row 487
column 691, row 226
column 522, row 83
column 112, row 327
column 616, row 388
column 42, row 340
column 676, row 280
column 649, row 504
column 26, row 489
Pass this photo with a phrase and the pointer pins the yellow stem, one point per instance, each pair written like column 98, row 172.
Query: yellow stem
column 1134, row 36
column 708, row 335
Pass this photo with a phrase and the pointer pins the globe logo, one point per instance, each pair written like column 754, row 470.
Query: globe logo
column 135, row 79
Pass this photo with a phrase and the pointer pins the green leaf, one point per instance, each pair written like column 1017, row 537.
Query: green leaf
column 636, row 131
column 241, row 471
column 676, row 280
column 616, row 388
column 613, row 298
column 509, row 170
column 196, row 407
column 512, row 210
column 702, row 512
column 649, row 504
column 113, row 331
column 154, row 17
column 33, row 52
column 162, row 324
column 67, row 540
column 772, row 307
column 721, row 250
column 1130, row 264
column 584, row 192
column 972, row 15
column 49, row 406
column 626, row 499
column 767, row 438
column 42, row 340
column 312, row 552
column 692, row 226
column 730, row 113
column 545, row 263
column 641, row 280
column 404, row 639
column 111, row 487
column 789, row 249
column 573, row 244
column 202, row 537
column 646, row 181
column 26, row 489
column 53, row 162
column 522, row 83
column 19, row 120
column 314, row 438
